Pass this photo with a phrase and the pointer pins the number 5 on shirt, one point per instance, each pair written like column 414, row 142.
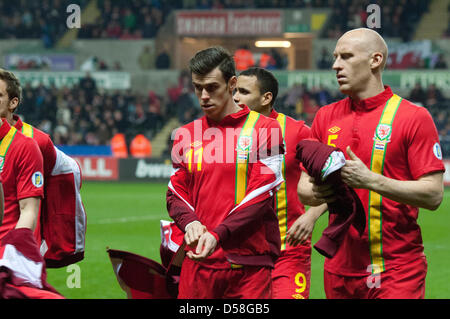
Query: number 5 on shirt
column 332, row 138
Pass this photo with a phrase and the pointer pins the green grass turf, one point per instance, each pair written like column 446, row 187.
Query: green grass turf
column 126, row 216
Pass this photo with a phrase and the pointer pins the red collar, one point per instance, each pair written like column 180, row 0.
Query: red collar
column 230, row 119
column 372, row 102
column 273, row 114
column 4, row 129
column 19, row 123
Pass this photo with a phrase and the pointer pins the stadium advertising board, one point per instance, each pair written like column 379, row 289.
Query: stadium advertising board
column 408, row 79
column 397, row 80
column 54, row 62
column 133, row 169
column 98, row 168
column 229, row 23
column 106, row 80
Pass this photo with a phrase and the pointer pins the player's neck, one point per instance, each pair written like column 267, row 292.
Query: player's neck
column 370, row 90
column 230, row 108
column 10, row 119
column 266, row 111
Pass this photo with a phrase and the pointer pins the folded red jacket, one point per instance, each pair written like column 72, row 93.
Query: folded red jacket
column 22, row 268
column 346, row 211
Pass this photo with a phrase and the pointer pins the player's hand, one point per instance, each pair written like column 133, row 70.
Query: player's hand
column 205, row 247
column 301, row 229
column 322, row 193
column 355, row 173
column 193, row 232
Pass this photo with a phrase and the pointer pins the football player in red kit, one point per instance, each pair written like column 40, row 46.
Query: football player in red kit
column 394, row 163
column 227, row 166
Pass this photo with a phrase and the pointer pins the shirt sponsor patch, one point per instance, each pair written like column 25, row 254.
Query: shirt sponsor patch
column 380, row 145
column 437, row 151
column 37, row 179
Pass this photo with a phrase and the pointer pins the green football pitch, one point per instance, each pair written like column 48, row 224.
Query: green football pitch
column 126, row 216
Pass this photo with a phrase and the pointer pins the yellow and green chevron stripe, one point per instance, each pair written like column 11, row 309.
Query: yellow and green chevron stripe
column 382, row 137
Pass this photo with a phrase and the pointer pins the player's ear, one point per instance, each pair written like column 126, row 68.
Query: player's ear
column 232, row 83
column 267, row 98
column 13, row 104
column 376, row 60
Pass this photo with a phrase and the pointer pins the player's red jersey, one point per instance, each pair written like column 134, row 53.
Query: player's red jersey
column 291, row 276
column 287, row 203
column 411, row 151
column 62, row 220
column 225, row 176
column 44, row 142
column 48, row 152
column 22, row 166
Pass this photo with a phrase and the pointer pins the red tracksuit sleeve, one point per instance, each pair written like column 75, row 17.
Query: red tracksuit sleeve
column 239, row 221
column 179, row 203
column 179, row 211
column 49, row 156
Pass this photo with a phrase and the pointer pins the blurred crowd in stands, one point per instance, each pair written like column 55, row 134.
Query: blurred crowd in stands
column 439, row 106
column 124, row 19
column 135, row 19
column 447, row 31
column 83, row 114
column 45, row 19
column 399, row 18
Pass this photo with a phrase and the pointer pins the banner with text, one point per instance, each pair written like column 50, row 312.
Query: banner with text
column 98, row 168
column 229, row 23
column 132, row 169
column 403, row 80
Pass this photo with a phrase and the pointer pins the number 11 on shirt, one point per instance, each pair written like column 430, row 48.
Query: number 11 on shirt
column 191, row 155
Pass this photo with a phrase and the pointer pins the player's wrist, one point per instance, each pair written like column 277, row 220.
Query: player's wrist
column 193, row 223
column 215, row 235
column 374, row 182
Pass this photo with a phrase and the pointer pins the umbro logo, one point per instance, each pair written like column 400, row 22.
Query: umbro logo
column 196, row 144
column 334, row 129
